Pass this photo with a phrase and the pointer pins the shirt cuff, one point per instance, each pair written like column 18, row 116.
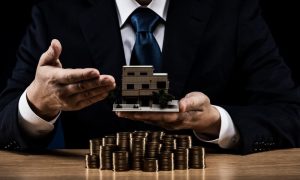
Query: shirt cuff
column 30, row 122
column 228, row 136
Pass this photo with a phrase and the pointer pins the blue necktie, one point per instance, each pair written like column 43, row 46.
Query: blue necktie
column 146, row 50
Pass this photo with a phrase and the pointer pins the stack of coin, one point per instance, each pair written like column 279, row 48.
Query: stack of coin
column 181, row 159
column 137, row 134
column 106, row 162
column 109, row 140
column 150, row 165
column 197, row 157
column 95, row 146
column 137, row 152
column 92, row 161
column 155, row 136
column 123, row 141
column 166, row 161
column 152, row 149
column 183, row 141
column 120, row 161
column 168, row 143
column 144, row 150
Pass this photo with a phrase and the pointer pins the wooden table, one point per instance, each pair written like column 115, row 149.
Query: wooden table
column 69, row 164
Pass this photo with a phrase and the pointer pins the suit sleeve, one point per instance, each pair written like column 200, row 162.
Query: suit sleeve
column 271, row 117
column 34, row 43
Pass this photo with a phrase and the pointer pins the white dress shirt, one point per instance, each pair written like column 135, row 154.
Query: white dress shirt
column 36, row 126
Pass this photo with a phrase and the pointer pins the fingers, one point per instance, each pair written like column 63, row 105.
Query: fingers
column 84, row 99
column 194, row 112
column 97, row 92
column 83, row 86
column 79, row 95
column 151, row 116
column 89, row 101
column 51, row 56
column 107, row 79
column 194, row 101
column 171, row 121
column 67, row 89
column 69, row 76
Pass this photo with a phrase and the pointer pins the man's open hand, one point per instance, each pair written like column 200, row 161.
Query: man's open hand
column 195, row 113
column 55, row 89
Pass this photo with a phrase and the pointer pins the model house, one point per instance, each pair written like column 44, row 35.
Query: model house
column 139, row 83
column 144, row 91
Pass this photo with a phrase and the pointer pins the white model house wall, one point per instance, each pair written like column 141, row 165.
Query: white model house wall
column 141, row 81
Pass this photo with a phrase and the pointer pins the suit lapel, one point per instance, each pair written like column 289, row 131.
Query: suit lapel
column 186, row 21
column 101, row 30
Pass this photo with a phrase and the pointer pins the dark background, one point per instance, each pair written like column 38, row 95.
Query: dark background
column 14, row 18
column 281, row 16
column 283, row 20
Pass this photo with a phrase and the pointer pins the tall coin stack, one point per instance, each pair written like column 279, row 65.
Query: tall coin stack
column 138, row 148
column 153, row 144
column 106, row 150
column 123, row 141
column 95, row 146
column 183, row 141
column 109, row 140
column 155, row 136
column 168, row 143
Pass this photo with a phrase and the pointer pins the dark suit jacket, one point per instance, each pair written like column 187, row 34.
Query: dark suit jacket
column 221, row 48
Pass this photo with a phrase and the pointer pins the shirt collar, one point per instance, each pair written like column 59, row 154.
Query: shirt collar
column 126, row 7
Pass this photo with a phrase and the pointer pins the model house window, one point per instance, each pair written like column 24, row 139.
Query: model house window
column 130, row 86
column 130, row 73
column 161, row 85
column 143, row 73
column 145, row 86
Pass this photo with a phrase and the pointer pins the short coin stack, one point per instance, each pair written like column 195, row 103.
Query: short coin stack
column 145, row 151
column 92, row 161
column 197, row 157
column 120, row 161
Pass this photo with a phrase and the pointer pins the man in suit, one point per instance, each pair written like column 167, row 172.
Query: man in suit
column 234, row 89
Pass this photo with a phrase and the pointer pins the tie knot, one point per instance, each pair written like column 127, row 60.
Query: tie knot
column 144, row 20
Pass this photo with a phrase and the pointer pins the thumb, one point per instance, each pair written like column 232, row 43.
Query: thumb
column 193, row 102
column 50, row 57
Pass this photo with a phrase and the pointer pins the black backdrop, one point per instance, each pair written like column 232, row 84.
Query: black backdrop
column 14, row 18
column 280, row 15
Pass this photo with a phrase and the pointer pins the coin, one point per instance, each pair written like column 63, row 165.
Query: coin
column 197, row 157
